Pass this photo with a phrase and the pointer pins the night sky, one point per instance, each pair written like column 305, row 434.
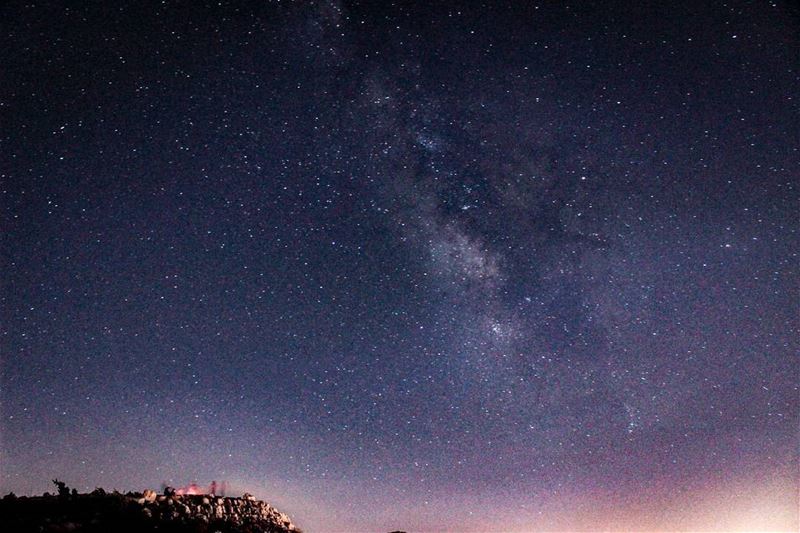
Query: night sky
column 501, row 267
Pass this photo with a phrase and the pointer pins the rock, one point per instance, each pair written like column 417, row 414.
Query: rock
column 114, row 512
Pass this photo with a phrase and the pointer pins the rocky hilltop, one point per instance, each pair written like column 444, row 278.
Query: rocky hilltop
column 140, row 512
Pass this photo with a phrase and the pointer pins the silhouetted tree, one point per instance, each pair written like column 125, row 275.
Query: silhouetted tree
column 63, row 490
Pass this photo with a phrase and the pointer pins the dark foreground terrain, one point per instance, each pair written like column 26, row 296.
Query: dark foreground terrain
column 139, row 512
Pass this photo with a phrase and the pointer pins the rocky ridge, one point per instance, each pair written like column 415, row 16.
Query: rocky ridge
column 141, row 512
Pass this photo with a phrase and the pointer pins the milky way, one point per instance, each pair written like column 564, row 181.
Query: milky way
column 502, row 268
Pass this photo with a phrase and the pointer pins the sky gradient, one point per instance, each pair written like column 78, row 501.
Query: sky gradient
column 507, row 267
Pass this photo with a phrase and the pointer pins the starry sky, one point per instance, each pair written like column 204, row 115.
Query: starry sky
column 412, row 265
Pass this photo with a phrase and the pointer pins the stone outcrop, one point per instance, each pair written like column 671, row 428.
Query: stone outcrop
column 147, row 511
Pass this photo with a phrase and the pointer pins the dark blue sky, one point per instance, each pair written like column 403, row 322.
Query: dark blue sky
column 507, row 267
